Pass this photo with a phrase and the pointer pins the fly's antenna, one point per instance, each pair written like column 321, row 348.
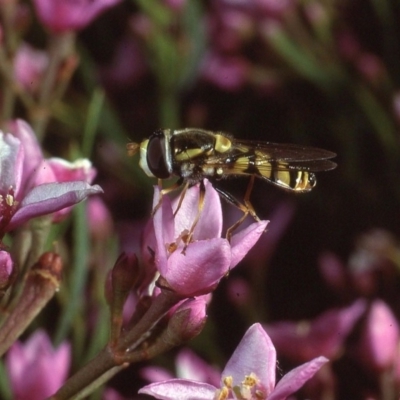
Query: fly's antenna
column 132, row 148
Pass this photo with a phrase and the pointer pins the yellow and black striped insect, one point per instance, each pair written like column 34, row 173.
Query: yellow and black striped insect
column 193, row 154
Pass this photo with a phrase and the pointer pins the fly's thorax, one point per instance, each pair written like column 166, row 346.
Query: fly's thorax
column 222, row 143
column 155, row 155
column 192, row 144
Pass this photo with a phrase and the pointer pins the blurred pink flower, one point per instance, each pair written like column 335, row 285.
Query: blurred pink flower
column 29, row 67
column 333, row 271
column 21, row 199
column 70, row 15
column 99, row 219
column 380, row 338
column 275, row 8
column 226, row 72
column 127, row 67
column 208, row 257
column 36, row 370
column 188, row 365
column 175, row 5
column 325, row 335
column 249, row 374
column 6, row 269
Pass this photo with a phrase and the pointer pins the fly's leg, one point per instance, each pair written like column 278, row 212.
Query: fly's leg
column 200, row 207
column 247, row 207
column 181, row 197
column 170, row 189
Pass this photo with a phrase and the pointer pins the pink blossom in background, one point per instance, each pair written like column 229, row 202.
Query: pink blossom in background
column 99, row 219
column 333, row 271
column 127, row 67
column 188, row 365
column 226, row 72
column 175, row 5
column 6, row 269
column 29, row 67
column 378, row 348
column 208, row 257
column 35, row 369
column 325, row 335
column 249, row 374
column 70, row 15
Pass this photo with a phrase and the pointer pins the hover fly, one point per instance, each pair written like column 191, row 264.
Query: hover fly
column 193, row 154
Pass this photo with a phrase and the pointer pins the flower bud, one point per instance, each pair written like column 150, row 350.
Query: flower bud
column 6, row 269
column 188, row 319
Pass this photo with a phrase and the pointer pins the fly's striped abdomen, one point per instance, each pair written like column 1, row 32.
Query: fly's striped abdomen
column 291, row 177
column 299, row 181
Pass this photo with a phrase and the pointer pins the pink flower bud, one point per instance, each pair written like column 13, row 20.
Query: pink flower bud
column 189, row 318
column 6, row 269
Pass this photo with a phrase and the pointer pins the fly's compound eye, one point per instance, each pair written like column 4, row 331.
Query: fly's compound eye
column 156, row 157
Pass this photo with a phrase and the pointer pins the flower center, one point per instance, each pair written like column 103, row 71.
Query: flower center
column 249, row 389
column 8, row 206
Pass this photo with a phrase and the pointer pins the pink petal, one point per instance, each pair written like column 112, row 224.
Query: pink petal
column 51, row 197
column 380, row 339
column 33, row 155
column 200, row 268
column 163, row 221
column 296, row 378
column 210, row 223
column 180, row 389
column 65, row 171
column 190, row 366
column 243, row 241
column 11, row 163
column 254, row 354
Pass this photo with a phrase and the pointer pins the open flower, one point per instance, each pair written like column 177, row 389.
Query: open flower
column 35, row 368
column 195, row 268
column 249, row 374
column 21, row 198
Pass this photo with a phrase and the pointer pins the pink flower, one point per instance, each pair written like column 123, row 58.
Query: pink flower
column 29, row 66
column 70, row 15
column 6, row 269
column 59, row 170
column 99, row 219
column 207, row 258
column 188, row 365
column 249, row 374
column 380, row 339
column 324, row 336
column 20, row 198
column 36, row 370
column 226, row 72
